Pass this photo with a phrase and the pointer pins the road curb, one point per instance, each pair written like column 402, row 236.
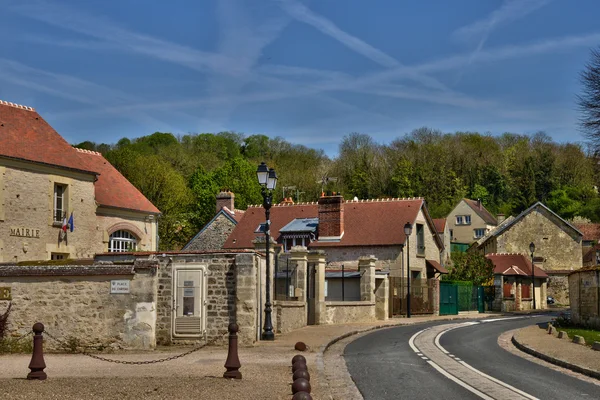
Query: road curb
column 556, row 361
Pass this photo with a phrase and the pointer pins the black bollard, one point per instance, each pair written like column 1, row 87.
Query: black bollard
column 301, row 385
column 302, row 396
column 298, row 357
column 301, row 373
column 233, row 362
column 37, row 363
column 299, row 365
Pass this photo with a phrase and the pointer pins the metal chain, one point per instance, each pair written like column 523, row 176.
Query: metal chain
column 84, row 352
column 22, row 337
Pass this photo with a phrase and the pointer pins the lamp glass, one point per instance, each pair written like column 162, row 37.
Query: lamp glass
column 408, row 229
column 531, row 247
column 272, row 179
column 262, row 173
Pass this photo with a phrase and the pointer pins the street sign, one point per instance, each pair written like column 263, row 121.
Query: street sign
column 119, row 286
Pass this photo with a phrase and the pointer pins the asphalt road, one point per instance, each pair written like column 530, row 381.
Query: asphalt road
column 383, row 365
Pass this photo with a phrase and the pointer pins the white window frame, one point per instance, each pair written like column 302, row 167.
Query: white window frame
column 122, row 241
column 467, row 219
column 459, row 220
column 483, row 231
column 295, row 242
column 62, row 211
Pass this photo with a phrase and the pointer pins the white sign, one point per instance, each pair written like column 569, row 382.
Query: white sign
column 119, row 286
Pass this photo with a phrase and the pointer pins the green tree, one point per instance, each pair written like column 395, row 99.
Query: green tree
column 472, row 267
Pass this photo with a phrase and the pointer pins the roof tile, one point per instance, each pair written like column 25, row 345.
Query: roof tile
column 513, row 264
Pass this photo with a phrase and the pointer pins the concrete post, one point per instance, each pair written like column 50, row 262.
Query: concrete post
column 247, row 306
column 436, row 296
column 518, row 295
column 543, row 290
column 299, row 259
column 318, row 258
column 367, row 279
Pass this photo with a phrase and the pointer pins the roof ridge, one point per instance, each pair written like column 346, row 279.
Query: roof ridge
column 87, row 151
column 22, row 107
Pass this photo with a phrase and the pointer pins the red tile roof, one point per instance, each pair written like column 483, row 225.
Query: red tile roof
column 482, row 212
column 590, row 231
column 366, row 223
column 513, row 264
column 440, row 224
column 112, row 188
column 236, row 215
column 25, row 135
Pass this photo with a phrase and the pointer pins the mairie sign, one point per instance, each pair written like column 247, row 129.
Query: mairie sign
column 24, row 232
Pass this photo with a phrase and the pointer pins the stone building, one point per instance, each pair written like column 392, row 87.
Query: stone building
column 468, row 222
column 584, row 292
column 348, row 230
column 557, row 245
column 58, row 202
column 513, row 278
column 213, row 235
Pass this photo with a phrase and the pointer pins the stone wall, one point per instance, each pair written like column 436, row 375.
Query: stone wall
column 213, row 235
column 343, row 312
column 558, row 287
column 76, row 305
column 291, row 315
column 584, row 289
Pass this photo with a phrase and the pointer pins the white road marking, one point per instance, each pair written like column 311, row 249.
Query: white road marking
column 507, row 318
column 499, row 382
column 411, row 341
column 459, row 382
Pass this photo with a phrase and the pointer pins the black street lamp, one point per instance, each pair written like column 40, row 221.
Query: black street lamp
column 407, row 232
column 267, row 178
column 532, row 250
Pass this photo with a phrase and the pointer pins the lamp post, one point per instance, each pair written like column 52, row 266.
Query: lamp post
column 407, row 232
column 267, row 178
column 532, row 250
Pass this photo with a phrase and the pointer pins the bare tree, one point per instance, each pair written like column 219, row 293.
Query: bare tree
column 589, row 99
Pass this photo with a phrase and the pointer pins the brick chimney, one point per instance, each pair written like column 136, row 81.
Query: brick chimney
column 225, row 199
column 479, row 204
column 331, row 218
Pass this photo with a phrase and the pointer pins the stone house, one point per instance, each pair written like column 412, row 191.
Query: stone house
column 514, row 290
column 213, row 235
column 468, row 222
column 443, row 231
column 58, row 202
column 348, row 230
column 557, row 245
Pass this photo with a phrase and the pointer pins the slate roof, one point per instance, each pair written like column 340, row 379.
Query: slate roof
column 482, row 212
column 113, row 189
column 25, row 135
column 366, row 223
column 301, row 225
column 512, row 264
column 590, row 231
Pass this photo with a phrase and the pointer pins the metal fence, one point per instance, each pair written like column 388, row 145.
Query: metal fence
column 421, row 300
column 285, row 278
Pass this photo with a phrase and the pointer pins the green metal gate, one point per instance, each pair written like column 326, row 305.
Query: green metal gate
column 448, row 299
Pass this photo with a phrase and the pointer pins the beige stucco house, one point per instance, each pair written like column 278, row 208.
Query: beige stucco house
column 58, row 202
column 441, row 226
column 557, row 244
column 469, row 221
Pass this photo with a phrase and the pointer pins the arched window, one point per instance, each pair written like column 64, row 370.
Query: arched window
column 122, row 241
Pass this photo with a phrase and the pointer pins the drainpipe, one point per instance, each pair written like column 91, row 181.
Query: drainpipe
column 343, row 282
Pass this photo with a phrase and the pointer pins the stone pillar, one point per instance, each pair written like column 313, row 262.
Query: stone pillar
column 436, row 296
column 246, row 297
column 299, row 259
column 382, row 297
column 543, row 294
column 260, row 246
column 318, row 258
column 517, row 286
column 367, row 279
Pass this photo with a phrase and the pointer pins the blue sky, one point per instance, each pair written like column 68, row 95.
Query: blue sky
column 309, row 71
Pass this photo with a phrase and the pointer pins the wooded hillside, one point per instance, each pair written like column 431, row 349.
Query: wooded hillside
column 181, row 175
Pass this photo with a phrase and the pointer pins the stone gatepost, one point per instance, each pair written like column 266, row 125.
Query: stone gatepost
column 299, row 260
column 543, row 295
column 246, row 296
column 382, row 297
column 517, row 286
column 367, row 278
column 436, row 296
column 319, row 260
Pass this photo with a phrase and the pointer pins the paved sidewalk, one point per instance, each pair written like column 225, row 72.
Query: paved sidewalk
column 266, row 369
column 562, row 352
